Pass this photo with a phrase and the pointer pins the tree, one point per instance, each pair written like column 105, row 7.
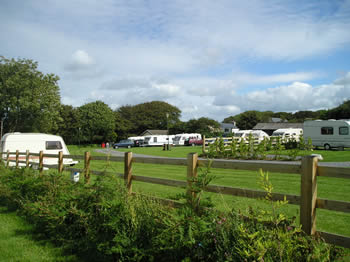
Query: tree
column 340, row 112
column 29, row 99
column 122, row 126
column 97, row 122
column 203, row 125
column 150, row 115
column 68, row 124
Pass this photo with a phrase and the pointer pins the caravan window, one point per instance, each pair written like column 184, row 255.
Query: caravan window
column 344, row 130
column 53, row 145
column 177, row 138
column 155, row 139
column 326, row 130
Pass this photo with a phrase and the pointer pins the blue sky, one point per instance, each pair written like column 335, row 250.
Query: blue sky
column 209, row 58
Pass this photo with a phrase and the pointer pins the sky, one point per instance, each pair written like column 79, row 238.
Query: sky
column 208, row 58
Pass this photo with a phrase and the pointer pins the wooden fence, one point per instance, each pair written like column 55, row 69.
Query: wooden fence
column 308, row 169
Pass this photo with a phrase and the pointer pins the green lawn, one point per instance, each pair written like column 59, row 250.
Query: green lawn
column 183, row 151
column 330, row 188
column 17, row 242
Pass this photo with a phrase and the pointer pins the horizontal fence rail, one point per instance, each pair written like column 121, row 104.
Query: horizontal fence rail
column 308, row 169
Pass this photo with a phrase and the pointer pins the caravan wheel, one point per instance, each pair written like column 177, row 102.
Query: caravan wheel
column 327, row 147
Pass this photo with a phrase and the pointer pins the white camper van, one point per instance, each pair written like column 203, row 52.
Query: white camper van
column 289, row 133
column 181, row 138
column 35, row 142
column 158, row 140
column 328, row 133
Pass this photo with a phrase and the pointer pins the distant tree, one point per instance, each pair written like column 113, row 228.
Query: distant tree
column 204, row 126
column 97, row 122
column 285, row 116
column 68, row 124
column 301, row 116
column 340, row 112
column 151, row 115
column 29, row 99
column 123, row 125
column 248, row 119
column 177, row 128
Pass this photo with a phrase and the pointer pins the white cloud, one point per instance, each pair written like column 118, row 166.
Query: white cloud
column 245, row 78
column 292, row 97
column 205, row 57
column 80, row 60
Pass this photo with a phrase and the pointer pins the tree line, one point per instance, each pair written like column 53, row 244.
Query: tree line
column 248, row 119
column 30, row 102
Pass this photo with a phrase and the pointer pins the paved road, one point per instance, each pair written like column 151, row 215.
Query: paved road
column 333, row 164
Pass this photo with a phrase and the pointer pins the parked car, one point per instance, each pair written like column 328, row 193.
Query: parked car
column 138, row 142
column 124, row 143
column 193, row 142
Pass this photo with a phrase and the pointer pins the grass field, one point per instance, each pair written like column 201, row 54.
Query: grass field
column 182, row 151
column 17, row 242
column 330, row 188
column 16, row 235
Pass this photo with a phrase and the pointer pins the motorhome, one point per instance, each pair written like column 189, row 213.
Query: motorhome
column 34, row 143
column 158, row 140
column 328, row 133
column 181, row 138
column 287, row 134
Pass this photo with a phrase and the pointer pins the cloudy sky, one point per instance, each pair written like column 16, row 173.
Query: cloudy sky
column 209, row 58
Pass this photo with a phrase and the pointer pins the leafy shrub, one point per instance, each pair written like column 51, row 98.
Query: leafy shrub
column 102, row 220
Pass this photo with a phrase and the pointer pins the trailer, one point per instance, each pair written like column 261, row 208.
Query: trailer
column 287, row 134
column 181, row 138
column 242, row 135
column 34, row 143
column 328, row 133
column 259, row 135
column 158, row 140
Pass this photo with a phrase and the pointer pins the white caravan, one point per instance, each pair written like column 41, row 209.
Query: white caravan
column 158, row 140
column 242, row 134
column 259, row 135
column 35, row 142
column 289, row 133
column 328, row 133
column 133, row 138
column 181, row 138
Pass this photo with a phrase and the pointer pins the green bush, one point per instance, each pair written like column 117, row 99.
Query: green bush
column 104, row 222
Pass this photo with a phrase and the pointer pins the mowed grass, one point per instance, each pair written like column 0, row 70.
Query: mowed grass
column 17, row 242
column 329, row 188
column 183, row 151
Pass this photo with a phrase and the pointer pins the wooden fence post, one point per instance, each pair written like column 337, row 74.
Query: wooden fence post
column 308, row 194
column 8, row 158
column 41, row 162
column 60, row 162
column 128, row 171
column 87, row 167
column 203, row 145
column 27, row 158
column 192, row 162
column 17, row 158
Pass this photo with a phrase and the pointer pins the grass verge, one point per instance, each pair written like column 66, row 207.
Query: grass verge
column 17, row 241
